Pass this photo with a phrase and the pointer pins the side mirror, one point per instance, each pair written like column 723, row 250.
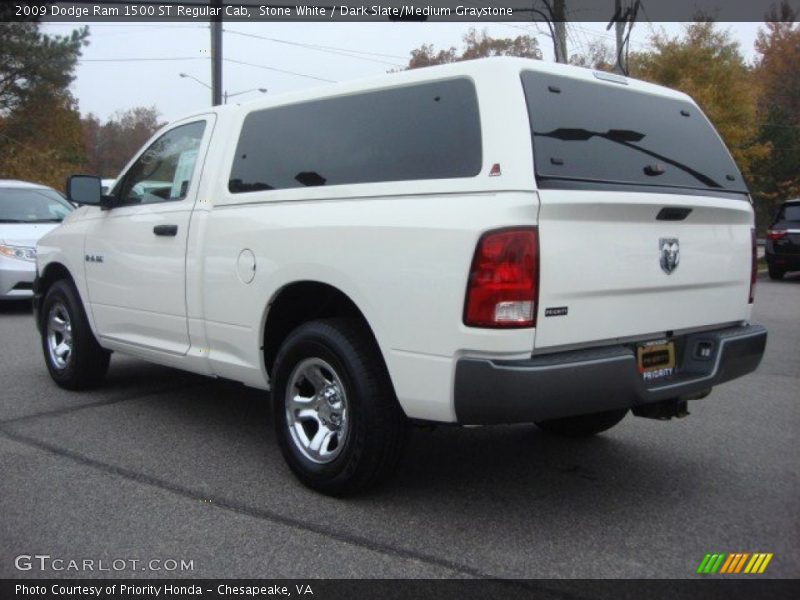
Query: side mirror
column 85, row 190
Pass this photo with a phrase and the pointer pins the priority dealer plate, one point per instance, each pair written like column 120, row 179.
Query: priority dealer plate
column 656, row 360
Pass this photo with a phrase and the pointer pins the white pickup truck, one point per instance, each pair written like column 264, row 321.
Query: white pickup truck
column 495, row 241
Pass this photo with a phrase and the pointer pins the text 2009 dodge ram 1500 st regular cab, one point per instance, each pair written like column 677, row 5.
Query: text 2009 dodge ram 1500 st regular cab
column 494, row 241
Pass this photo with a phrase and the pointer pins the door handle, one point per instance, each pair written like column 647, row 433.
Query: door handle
column 168, row 230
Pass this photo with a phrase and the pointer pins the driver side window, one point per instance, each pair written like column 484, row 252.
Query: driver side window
column 164, row 171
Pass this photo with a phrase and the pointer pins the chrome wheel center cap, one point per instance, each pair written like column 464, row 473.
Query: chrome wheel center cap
column 329, row 406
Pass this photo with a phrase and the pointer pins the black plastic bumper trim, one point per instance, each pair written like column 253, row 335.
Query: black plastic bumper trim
column 788, row 262
column 599, row 379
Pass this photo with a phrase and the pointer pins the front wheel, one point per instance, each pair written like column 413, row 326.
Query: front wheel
column 583, row 425
column 338, row 423
column 73, row 356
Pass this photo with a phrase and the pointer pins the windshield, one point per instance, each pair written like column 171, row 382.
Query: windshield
column 32, row 205
column 603, row 134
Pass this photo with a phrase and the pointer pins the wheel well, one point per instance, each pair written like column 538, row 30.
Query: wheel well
column 52, row 273
column 298, row 303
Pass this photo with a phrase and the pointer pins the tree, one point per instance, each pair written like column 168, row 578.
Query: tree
column 777, row 72
column 41, row 140
column 111, row 145
column 778, row 63
column 705, row 62
column 40, row 135
column 30, row 60
column 476, row 45
column 600, row 56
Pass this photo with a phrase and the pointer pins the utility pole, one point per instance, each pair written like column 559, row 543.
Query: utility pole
column 619, row 27
column 216, row 55
column 560, row 30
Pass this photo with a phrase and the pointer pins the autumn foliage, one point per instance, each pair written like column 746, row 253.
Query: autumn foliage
column 41, row 141
column 109, row 146
column 476, row 45
column 40, row 132
column 777, row 73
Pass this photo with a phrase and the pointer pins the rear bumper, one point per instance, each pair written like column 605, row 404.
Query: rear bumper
column 785, row 261
column 599, row 379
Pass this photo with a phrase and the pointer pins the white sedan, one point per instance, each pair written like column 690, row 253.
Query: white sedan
column 27, row 212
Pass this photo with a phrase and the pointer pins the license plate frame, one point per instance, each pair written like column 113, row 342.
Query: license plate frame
column 656, row 360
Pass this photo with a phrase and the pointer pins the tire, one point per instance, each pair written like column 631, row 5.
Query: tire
column 776, row 273
column 80, row 363
column 583, row 425
column 343, row 398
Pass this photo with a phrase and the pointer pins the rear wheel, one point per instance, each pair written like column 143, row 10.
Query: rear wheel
column 74, row 358
column 338, row 423
column 583, row 425
column 776, row 273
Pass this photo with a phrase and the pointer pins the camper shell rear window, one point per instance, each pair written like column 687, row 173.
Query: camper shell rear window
column 596, row 134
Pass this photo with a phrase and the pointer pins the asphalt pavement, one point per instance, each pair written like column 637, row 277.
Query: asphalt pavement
column 163, row 465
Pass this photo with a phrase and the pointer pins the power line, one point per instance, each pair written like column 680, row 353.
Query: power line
column 480, row 4
column 142, row 59
column 605, row 35
column 586, row 42
column 311, row 47
column 328, row 49
column 178, row 58
column 241, row 62
column 574, row 41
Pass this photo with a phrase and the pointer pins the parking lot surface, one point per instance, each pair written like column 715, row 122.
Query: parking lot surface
column 159, row 464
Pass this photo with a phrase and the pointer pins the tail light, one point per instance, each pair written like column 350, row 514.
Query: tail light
column 753, row 265
column 776, row 234
column 503, row 282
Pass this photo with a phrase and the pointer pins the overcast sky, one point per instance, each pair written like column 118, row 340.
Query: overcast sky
column 105, row 85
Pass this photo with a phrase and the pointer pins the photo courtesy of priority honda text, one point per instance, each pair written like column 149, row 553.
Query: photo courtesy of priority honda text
column 494, row 241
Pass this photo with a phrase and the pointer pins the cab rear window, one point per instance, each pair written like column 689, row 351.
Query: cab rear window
column 598, row 133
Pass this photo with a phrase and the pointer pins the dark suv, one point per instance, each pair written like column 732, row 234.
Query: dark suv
column 783, row 240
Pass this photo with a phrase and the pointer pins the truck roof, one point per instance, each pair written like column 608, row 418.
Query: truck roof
column 470, row 68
